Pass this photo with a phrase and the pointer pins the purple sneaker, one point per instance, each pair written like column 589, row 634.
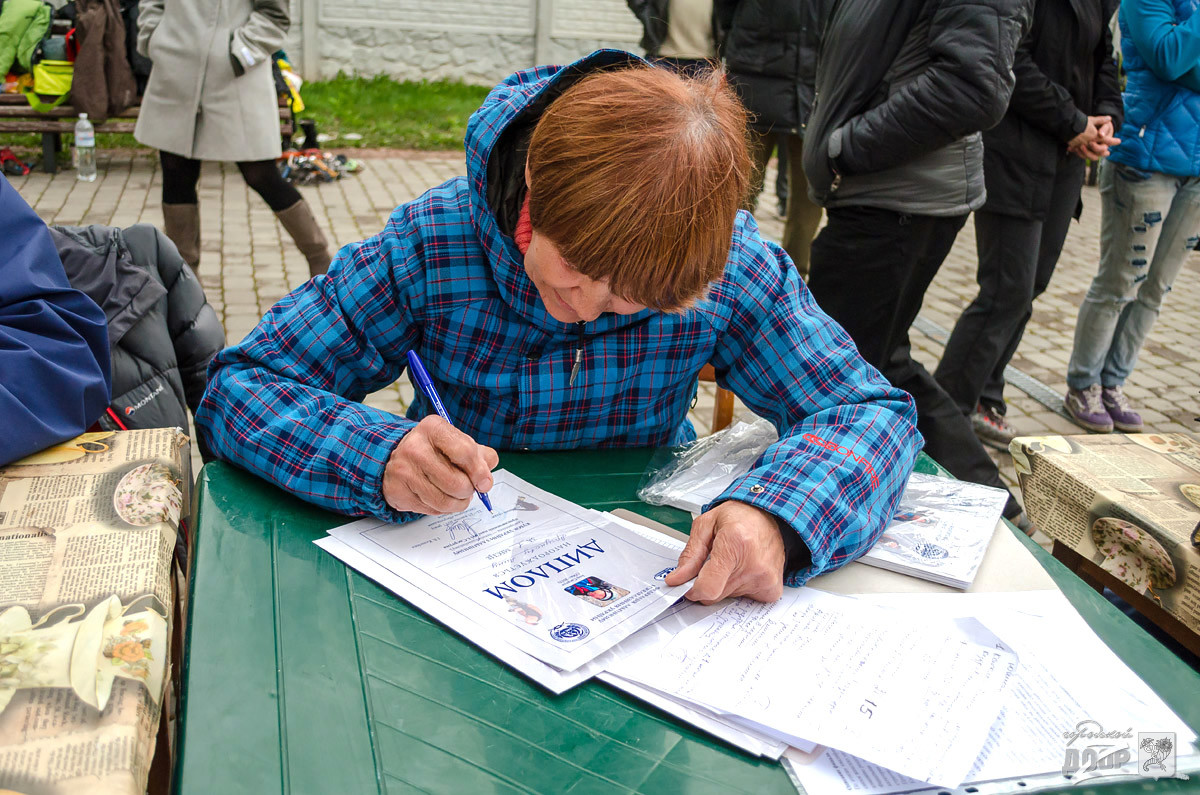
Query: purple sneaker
column 1124, row 418
column 1086, row 408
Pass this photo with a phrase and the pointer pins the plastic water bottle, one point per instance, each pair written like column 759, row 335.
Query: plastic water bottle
column 85, row 150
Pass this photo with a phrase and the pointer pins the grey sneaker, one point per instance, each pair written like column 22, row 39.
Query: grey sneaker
column 1086, row 408
column 991, row 427
column 1124, row 418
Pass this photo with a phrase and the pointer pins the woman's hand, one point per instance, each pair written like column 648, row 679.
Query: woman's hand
column 734, row 550
column 437, row 469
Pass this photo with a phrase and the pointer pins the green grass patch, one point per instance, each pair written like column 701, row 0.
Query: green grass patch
column 387, row 113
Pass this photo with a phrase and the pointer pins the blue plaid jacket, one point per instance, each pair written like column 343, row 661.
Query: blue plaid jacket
column 442, row 278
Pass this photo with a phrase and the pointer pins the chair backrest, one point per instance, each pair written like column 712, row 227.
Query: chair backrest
column 723, row 405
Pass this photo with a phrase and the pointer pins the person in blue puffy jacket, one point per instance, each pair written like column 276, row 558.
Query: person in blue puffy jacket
column 1150, row 209
column 54, row 361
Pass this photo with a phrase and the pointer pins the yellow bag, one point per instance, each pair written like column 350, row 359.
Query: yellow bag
column 50, row 78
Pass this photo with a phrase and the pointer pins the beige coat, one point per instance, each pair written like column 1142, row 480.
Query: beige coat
column 211, row 94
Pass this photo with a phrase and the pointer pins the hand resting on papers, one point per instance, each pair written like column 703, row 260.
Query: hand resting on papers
column 734, row 550
column 436, row 468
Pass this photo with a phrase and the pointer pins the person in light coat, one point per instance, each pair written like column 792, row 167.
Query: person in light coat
column 211, row 96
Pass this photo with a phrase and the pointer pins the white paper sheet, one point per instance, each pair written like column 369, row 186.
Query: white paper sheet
column 1067, row 675
column 540, row 573
column 719, row 726
column 917, row 696
column 551, row 678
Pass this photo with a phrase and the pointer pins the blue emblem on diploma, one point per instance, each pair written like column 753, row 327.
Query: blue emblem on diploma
column 568, row 633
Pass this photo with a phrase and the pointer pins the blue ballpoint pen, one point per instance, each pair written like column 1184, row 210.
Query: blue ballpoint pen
column 426, row 384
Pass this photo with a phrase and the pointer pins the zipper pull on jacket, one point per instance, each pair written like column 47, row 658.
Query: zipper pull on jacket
column 578, row 352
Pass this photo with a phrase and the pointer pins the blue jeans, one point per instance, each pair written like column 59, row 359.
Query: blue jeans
column 1149, row 224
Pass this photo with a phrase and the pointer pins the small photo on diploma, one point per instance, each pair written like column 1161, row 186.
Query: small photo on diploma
column 597, row 591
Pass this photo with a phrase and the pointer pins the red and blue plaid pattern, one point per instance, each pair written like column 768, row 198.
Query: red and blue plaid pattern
column 441, row 278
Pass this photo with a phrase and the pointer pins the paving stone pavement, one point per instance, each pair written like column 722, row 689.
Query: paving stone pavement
column 248, row 263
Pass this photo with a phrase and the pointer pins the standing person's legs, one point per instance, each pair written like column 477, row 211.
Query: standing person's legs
column 1133, row 205
column 291, row 209
column 181, row 205
column 1175, row 243
column 761, row 146
column 1007, row 249
column 803, row 217
column 1064, row 200
column 870, row 270
column 949, row 437
column 858, row 262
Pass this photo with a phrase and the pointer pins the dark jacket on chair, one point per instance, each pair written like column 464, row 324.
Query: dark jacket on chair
column 903, row 89
column 770, row 49
column 162, row 330
column 1065, row 72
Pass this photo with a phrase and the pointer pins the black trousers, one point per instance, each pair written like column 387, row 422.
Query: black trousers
column 1016, row 260
column 870, row 270
column 180, row 175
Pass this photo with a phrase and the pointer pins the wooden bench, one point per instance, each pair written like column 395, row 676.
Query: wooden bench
column 17, row 117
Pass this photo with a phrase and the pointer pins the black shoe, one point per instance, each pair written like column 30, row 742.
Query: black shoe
column 991, row 427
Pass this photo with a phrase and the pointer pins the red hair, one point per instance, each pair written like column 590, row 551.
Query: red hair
column 636, row 176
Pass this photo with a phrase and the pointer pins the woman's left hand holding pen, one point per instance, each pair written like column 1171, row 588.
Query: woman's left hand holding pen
column 437, row 469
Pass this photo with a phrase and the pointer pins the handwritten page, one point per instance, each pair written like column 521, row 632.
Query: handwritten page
column 1068, row 683
column 914, row 696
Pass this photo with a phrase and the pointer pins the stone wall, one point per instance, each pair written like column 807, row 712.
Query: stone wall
column 477, row 41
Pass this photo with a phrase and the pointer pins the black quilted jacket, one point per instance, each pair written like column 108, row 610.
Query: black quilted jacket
column 162, row 331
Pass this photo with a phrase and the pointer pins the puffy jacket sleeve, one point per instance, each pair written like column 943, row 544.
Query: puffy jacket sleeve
column 1170, row 48
column 261, row 35
column 284, row 403
column 54, row 359
column 848, row 439
column 195, row 329
column 965, row 88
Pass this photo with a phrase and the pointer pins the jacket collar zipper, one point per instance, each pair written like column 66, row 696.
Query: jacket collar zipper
column 578, row 351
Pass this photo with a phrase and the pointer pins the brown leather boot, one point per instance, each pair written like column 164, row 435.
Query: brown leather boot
column 182, row 225
column 299, row 222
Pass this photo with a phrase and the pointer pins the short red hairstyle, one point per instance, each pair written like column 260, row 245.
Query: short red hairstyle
column 636, row 176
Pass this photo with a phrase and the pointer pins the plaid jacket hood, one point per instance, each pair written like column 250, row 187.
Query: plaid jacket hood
column 522, row 97
column 444, row 279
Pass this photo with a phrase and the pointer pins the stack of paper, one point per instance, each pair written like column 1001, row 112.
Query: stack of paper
column 1072, row 703
column 875, row 694
column 918, row 696
column 554, row 580
column 941, row 530
column 559, row 593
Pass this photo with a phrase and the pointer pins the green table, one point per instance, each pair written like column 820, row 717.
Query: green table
column 302, row 676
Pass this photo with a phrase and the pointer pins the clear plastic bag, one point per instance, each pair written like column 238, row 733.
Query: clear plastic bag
column 694, row 475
